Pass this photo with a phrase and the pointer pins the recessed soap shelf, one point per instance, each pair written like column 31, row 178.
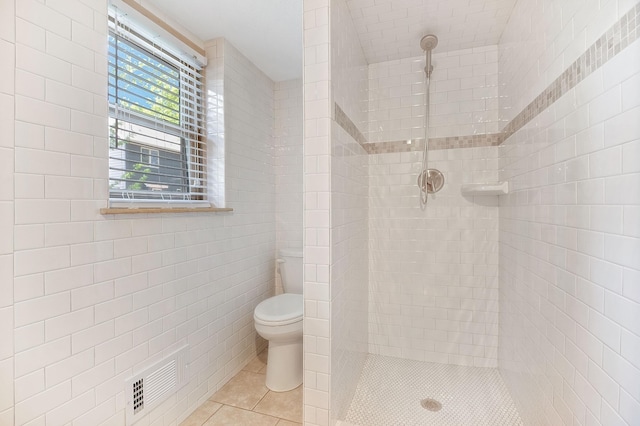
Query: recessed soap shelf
column 490, row 188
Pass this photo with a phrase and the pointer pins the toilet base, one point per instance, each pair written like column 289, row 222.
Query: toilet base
column 284, row 365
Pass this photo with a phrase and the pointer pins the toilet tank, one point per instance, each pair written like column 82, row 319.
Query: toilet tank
column 290, row 262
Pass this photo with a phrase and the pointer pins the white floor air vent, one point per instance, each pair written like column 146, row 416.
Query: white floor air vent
column 149, row 388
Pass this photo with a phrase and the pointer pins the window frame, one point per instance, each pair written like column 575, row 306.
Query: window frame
column 192, row 117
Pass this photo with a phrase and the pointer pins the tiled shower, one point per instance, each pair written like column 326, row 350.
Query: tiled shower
column 540, row 283
column 536, row 291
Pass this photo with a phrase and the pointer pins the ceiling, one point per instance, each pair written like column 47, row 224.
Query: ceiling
column 269, row 32
column 392, row 29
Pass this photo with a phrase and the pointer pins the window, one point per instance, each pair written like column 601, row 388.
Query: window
column 151, row 157
column 156, row 122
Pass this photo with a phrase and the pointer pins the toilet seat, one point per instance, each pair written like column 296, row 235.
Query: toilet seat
column 278, row 310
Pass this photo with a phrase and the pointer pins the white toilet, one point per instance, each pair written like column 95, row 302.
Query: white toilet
column 279, row 320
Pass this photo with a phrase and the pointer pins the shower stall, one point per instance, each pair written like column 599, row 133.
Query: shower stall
column 514, row 290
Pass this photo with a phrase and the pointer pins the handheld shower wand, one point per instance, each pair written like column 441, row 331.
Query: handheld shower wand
column 429, row 180
column 428, row 43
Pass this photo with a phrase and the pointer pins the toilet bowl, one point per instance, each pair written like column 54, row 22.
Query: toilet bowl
column 278, row 319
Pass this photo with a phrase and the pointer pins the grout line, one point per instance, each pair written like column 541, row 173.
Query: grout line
column 251, row 411
column 212, row 414
column 263, row 397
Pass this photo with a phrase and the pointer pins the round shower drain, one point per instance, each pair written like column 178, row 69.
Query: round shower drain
column 431, row 404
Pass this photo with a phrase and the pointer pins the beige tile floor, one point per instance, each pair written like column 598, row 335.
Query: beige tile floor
column 245, row 400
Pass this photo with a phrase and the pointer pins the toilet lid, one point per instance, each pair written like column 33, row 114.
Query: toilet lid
column 283, row 309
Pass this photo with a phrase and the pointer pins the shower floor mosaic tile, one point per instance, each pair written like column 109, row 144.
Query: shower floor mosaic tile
column 391, row 390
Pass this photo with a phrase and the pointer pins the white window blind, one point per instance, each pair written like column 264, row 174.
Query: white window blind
column 156, row 121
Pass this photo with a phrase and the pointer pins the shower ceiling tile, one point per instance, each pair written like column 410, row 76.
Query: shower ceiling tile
column 392, row 29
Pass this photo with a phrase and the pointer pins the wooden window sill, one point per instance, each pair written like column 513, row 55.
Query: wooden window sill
column 147, row 210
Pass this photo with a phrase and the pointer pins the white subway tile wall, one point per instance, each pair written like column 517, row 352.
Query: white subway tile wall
column 348, row 68
column 317, row 206
column 96, row 298
column 569, row 243
column 542, row 39
column 349, row 213
column 85, row 299
column 7, row 183
column 288, row 163
column 433, row 274
column 463, row 96
column 214, row 86
column 350, row 268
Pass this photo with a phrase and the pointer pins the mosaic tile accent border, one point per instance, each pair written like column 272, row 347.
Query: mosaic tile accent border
column 349, row 126
column 620, row 35
column 471, row 141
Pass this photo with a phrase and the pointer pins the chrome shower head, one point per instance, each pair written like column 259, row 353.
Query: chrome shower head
column 429, row 42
